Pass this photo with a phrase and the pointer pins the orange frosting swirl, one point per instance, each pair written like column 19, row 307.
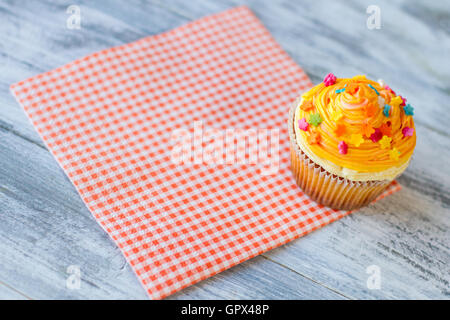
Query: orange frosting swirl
column 351, row 116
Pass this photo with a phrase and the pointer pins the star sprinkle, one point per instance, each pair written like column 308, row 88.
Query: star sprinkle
column 385, row 142
column 340, row 129
column 307, row 95
column 386, row 129
column 352, row 88
column 376, row 136
column 303, row 124
column 386, row 110
column 409, row 110
column 359, row 77
column 343, row 147
column 373, row 88
column 394, row 154
column 381, row 101
column 314, row 137
column 329, row 80
column 367, row 129
column 403, row 101
column 356, row 139
column 388, row 88
column 336, row 115
column 407, row 131
column 396, row 101
column 370, row 110
column 340, row 90
column 315, row 119
column 306, row 105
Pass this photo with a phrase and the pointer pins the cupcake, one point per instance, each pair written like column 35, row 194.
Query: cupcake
column 349, row 139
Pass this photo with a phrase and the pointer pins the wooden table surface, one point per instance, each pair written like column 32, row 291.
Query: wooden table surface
column 45, row 227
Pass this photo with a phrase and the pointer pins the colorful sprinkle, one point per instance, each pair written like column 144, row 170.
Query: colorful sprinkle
column 340, row 90
column 381, row 83
column 376, row 136
column 388, row 88
column 381, row 101
column 409, row 110
column 356, row 139
column 343, row 147
column 386, row 110
column 403, row 101
column 314, row 137
column 394, row 154
column 407, row 131
column 385, row 142
column 340, row 129
column 352, row 88
column 307, row 95
column 386, row 129
column 373, row 88
column 336, row 115
column 303, row 124
column 306, row 105
column 396, row 101
column 329, row 80
column 359, row 77
column 315, row 119
column 367, row 129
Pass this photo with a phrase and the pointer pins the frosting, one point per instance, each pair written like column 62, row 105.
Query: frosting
column 356, row 128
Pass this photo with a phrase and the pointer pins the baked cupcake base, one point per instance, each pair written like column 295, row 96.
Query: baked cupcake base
column 327, row 188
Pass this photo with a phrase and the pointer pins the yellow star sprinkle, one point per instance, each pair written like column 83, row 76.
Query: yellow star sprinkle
column 356, row 139
column 394, row 154
column 385, row 142
column 336, row 115
column 359, row 77
column 396, row 102
column 307, row 95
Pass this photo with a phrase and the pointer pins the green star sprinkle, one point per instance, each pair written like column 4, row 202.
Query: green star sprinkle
column 315, row 119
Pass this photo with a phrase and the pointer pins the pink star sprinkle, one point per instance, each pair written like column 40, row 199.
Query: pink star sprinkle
column 329, row 80
column 407, row 131
column 404, row 101
column 376, row 136
column 303, row 124
column 343, row 147
column 388, row 88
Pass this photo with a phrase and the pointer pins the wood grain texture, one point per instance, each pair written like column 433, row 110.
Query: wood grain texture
column 8, row 293
column 45, row 227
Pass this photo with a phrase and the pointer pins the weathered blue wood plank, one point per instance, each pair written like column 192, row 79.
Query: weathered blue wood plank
column 8, row 293
column 258, row 278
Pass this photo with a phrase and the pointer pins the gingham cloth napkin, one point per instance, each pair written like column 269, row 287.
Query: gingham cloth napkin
column 108, row 119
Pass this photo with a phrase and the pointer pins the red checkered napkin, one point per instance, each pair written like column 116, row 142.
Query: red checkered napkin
column 108, row 119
